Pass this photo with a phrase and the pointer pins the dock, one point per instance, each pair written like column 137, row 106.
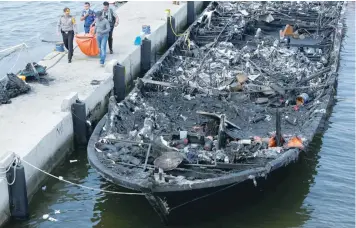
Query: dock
column 38, row 126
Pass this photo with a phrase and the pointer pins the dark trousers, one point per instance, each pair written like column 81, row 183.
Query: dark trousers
column 68, row 42
column 110, row 38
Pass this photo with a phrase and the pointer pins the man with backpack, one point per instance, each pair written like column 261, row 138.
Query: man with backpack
column 113, row 19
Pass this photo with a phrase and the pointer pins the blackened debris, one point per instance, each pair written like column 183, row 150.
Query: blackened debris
column 240, row 61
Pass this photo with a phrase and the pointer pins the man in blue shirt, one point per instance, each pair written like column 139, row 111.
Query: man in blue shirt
column 88, row 17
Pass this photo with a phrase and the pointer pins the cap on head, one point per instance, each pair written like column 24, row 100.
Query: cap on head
column 99, row 13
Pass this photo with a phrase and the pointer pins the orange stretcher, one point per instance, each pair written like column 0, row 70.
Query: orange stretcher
column 88, row 43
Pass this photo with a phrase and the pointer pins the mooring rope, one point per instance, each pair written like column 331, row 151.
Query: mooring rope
column 203, row 196
column 8, row 168
column 82, row 186
column 13, row 181
column 17, row 59
column 59, row 59
column 18, row 159
column 185, row 34
column 14, row 161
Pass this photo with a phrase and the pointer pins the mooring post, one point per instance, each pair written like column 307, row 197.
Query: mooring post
column 119, row 82
column 278, row 128
column 79, row 123
column 18, row 200
column 190, row 13
column 145, row 56
column 171, row 25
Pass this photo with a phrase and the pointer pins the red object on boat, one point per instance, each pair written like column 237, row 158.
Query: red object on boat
column 295, row 142
column 88, row 43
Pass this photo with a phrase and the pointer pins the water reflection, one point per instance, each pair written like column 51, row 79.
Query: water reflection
column 276, row 203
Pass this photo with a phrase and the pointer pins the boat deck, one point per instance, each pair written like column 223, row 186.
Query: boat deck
column 229, row 84
column 232, row 100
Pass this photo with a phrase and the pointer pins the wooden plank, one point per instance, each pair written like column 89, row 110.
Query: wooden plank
column 149, row 81
column 317, row 74
column 278, row 89
column 310, row 45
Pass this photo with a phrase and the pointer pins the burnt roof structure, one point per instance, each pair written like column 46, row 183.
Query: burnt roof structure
column 240, row 95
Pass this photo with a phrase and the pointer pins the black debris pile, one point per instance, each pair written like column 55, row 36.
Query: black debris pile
column 12, row 86
column 213, row 99
column 251, row 51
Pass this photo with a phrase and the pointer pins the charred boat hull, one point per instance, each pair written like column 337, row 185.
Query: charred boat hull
column 170, row 202
column 227, row 105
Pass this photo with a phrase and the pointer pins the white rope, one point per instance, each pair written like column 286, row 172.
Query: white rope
column 82, row 186
column 1, row 62
column 16, row 60
column 13, row 181
column 3, row 85
column 14, row 47
column 16, row 161
column 7, row 169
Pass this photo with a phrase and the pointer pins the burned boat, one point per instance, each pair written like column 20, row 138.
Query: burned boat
column 239, row 96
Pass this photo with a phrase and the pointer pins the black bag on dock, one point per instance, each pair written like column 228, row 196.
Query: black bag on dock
column 33, row 72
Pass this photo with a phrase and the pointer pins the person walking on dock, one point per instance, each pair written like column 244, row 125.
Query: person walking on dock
column 88, row 16
column 68, row 27
column 113, row 19
column 102, row 30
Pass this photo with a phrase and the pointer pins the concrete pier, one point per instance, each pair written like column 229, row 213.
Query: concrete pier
column 38, row 126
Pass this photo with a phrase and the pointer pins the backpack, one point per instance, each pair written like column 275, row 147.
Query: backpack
column 112, row 23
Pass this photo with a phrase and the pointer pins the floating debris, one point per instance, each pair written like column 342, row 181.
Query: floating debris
column 52, row 219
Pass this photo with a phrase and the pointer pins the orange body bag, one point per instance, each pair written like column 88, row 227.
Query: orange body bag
column 88, row 43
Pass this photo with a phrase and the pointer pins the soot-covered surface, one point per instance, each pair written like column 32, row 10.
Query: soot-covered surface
column 12, row 85
column 213, row 98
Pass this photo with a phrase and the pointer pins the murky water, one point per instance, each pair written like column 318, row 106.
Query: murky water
column 316, row 192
